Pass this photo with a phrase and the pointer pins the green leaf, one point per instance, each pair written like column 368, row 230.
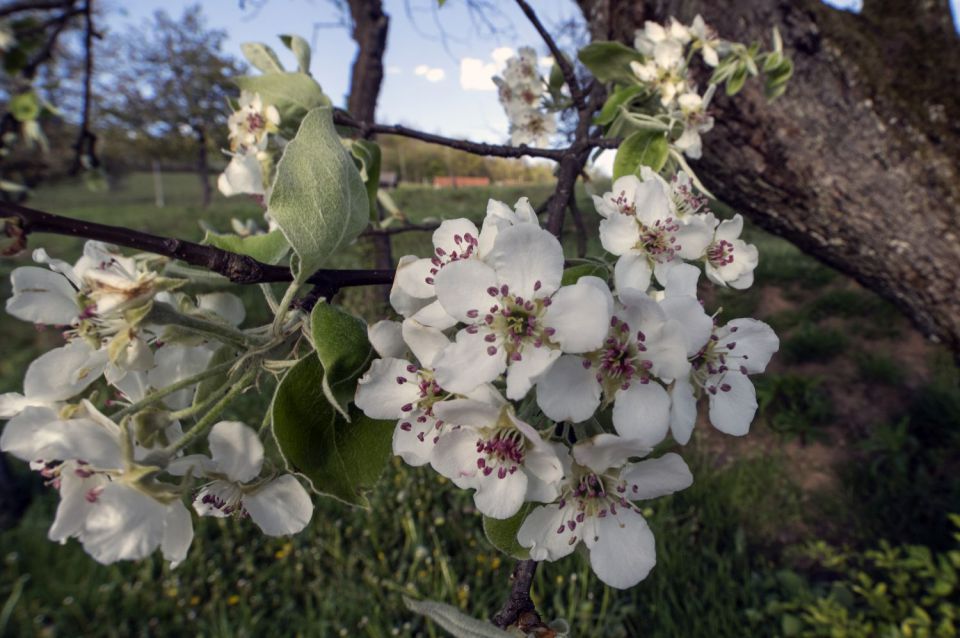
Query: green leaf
column 262, row 57
column 341, row 459
column 775, row 80
column 502, row 534
column 319, row 200
column 300, row 48
column 344, row 352
column 368, row 154
column 610, row 61
column 736, row 80
column 573, row 274
column 208, row 386
column 453, row 620
column 24, row 107
column 269, row 248
column 620, row 97
column 294, row 94
column 643, row 148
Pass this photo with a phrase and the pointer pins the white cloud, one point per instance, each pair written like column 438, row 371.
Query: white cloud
column 393, row 70
column 431, row 74
column 502, row 54
column 475, row 75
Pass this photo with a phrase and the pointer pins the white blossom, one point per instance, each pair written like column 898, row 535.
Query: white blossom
column 250, row 124
column 597, row 507
column 487, row 448
column 728, row 260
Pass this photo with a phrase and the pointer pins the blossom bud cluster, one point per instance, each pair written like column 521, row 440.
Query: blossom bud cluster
column 121, row 481
column 250, row 128
column 666, row 51
column 499, row 363
column 521, row 90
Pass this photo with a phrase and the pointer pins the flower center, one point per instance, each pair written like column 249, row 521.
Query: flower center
column 465, row 244
column 502, row 453
column 513, row 321
column 720, row 253
column 659, row 241
column 430, row 394
column 255, row 122
column 714, row 361
column 593, row 496
column 620, row 361
column 686, row 201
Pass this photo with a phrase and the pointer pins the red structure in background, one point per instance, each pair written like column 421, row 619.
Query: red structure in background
column 457, row 181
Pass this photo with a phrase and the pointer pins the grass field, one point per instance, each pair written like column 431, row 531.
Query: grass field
column 857, row 441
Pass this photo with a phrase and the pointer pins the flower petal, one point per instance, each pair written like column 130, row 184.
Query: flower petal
column 522, row 374
column 425, row 343
column 622, row 548
column 732, row 410
column 177, row 534
column 619, row 233
column 539, row 532
column 656, row 477
column 632, row 271
column 683, row 410
column 463, row 287
column 528, row 259
column 236, row 450
column 568, row 391
column 64, row 372
column 500, row 497
column 580, row 316
column 466, row 363
column 123, row 524
column 603, row 451
column 280, row 507
column 386, row 388
column 642, row 413
column 42, row 296
column 386, row 338
column 754, row 342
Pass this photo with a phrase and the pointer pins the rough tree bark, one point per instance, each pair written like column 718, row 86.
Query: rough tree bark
column 370, row 28
column 859, row 163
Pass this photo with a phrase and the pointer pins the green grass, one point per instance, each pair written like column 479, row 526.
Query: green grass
column 813, row 343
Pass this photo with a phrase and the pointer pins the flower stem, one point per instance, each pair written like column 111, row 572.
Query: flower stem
column 283, row 306
column 170, row 389
column 201, row 426
column 164, row 314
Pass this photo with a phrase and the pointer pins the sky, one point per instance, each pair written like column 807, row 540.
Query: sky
column 433, row 83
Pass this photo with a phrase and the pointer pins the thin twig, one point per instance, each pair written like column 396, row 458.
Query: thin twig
column 396, row 230
column 85, row 146
column 240, row 269
column 569, row 76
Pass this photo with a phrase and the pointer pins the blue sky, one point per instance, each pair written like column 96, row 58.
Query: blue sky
column 431, row 85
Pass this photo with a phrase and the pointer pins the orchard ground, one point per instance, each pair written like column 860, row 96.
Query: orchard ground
column 857, row 440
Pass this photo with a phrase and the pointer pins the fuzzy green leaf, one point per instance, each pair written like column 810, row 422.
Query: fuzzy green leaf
column 319, row 200
column 573, row 274
column 261, row 57
column 341, row 459
column 502, row 534
column 300, row 48
column 643, row 148
column 269, row 248
column 368, row 154
column 610, row 61
column 620, row 97
column 294, row 94
column 344, row 352
column 453, row 620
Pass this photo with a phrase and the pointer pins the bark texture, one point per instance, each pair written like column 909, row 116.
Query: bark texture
column 859, row 162
column 370, row 27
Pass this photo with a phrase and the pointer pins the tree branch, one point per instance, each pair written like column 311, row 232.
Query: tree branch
column 21, row 221
column 579, row 99
column 85, row 146
column 34, row 5
column 519, row 604
column 396, row 230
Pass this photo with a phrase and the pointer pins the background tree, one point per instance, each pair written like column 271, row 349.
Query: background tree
column 859, row 165
column 171, row 81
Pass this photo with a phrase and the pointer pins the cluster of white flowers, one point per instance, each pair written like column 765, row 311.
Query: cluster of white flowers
column 666, row 52
column 250, row 127
column 7, row 38
column 121, row 481
column 521, row 91
column 498, row 364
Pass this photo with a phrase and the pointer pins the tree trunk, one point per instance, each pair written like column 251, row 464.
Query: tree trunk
column 859, row 162
column 203, row 166
column 370, row 26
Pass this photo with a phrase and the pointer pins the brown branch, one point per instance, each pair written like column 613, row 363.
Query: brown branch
column 342, row 118
column 579, row 99
column 46, row 53
column 579, row 226
column 21, row 221
column 34, row 5
column 519, row 605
